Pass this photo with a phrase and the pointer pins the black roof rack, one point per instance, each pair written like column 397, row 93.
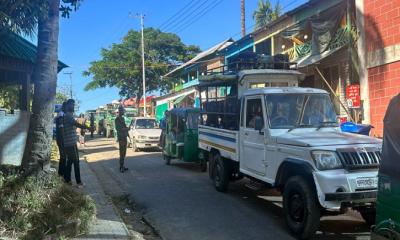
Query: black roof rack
column 248, row 61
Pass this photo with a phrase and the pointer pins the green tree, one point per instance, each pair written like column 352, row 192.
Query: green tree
column 25, row 16
column 9, row 97
column 61, row 97
column 265, row 13
column 121, row 65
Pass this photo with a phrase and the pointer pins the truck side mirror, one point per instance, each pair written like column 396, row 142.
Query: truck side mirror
column 258, row 124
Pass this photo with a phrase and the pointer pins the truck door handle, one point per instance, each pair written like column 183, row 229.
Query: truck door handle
column 246, row 134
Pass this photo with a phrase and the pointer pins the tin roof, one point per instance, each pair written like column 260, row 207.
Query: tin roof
column 202, row 55
column 14, row 46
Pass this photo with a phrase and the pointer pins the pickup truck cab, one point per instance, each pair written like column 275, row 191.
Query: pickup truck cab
column 287, row 137
column 144, row 133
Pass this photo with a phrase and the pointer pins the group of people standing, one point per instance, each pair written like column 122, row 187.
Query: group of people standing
column 66, row 138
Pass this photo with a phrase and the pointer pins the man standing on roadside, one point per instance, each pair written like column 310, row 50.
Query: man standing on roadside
column 60, row 140
column 122, row 134
column 163, row 126
column 91, row 124
column 70, row 140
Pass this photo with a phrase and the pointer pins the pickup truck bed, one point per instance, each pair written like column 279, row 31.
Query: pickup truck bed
column 226, row 141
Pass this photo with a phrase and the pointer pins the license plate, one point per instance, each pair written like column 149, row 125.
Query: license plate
column 369, row 182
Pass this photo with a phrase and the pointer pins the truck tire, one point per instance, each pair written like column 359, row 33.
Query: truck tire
column 211, row 165
column 301, row 207
column 221, row 173
column 368, row 214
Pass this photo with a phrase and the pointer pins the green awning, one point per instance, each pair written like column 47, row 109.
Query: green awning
column 160, row 109
column 14, row 46
column 179, row 99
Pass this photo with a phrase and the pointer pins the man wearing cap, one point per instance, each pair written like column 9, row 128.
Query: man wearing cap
column 122, row 134
column 70, row 139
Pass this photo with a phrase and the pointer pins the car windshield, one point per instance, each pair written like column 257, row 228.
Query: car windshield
column 146, row 123
column 287, row 111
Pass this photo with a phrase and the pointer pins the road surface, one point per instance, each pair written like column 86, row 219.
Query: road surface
column 181, row 203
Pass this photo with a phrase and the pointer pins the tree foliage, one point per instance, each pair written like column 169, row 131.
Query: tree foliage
column 266, row 13
column 29, row 17
column 61, row 97
column 9, row 96
column 22, row 16
column 121, row 64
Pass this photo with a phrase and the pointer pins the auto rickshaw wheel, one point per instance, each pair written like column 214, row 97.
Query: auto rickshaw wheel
column 368, row 214
column 203, row 165
column 167, row 159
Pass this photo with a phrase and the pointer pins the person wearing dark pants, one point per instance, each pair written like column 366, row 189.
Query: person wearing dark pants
column 122, row 135
column 60, row 140
column 70, row 140
column 73, row 159
column 91, row 124
column 122, row 154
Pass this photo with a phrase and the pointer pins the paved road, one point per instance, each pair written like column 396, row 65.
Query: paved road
column 181, row 203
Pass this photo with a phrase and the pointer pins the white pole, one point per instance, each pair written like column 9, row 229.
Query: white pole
column 144, row 73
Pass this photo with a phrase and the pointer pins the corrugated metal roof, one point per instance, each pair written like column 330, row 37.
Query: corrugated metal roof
column 201, row 55
column 14, row 46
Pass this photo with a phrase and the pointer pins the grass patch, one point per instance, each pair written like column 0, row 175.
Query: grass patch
column 40, row 205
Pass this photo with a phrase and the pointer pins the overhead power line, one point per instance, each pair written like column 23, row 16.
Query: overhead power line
column 199, row 16
column 177, row 13
column 184, row 17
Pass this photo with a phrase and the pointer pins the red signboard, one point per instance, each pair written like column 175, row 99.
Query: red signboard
column 353, row 96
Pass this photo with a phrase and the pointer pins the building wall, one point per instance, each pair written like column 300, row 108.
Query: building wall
column 384, row 83
column 13, row 133
column 382, row 34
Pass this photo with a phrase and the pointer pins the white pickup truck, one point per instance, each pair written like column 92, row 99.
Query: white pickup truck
column 259, row 124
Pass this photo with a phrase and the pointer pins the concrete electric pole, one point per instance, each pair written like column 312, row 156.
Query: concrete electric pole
column 141, row 16
column 70, row 80
column 243, row 17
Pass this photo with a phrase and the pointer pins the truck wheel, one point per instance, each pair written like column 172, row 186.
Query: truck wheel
column 211, row 165
column 368, row 214
column 301, row 207
column 221, row 173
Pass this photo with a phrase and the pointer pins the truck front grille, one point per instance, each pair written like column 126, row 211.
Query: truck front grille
column 355, row 158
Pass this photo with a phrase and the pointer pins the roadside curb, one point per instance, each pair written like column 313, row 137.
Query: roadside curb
column 107, row 224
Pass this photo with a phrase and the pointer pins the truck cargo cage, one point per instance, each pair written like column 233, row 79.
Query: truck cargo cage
column 219, row 105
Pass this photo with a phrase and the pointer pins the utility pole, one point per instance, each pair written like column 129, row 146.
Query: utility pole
column 243, row 17
column 70, row 80
column 141, row 16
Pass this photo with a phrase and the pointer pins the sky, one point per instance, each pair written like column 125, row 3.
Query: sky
column 99, row 23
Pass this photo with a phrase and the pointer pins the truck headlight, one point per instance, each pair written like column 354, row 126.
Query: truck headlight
column 141, row 137
column 325, row 160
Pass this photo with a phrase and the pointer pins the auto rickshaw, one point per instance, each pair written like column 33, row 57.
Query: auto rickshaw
column 388, row 200
column 181, row 137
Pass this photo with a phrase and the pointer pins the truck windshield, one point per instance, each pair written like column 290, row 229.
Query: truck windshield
column 288, row 111
column 146, row 123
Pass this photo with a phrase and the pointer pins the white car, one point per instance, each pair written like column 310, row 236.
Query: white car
column 144, row 133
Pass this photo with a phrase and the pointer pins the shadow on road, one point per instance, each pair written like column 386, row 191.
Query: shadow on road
column 170, row 196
